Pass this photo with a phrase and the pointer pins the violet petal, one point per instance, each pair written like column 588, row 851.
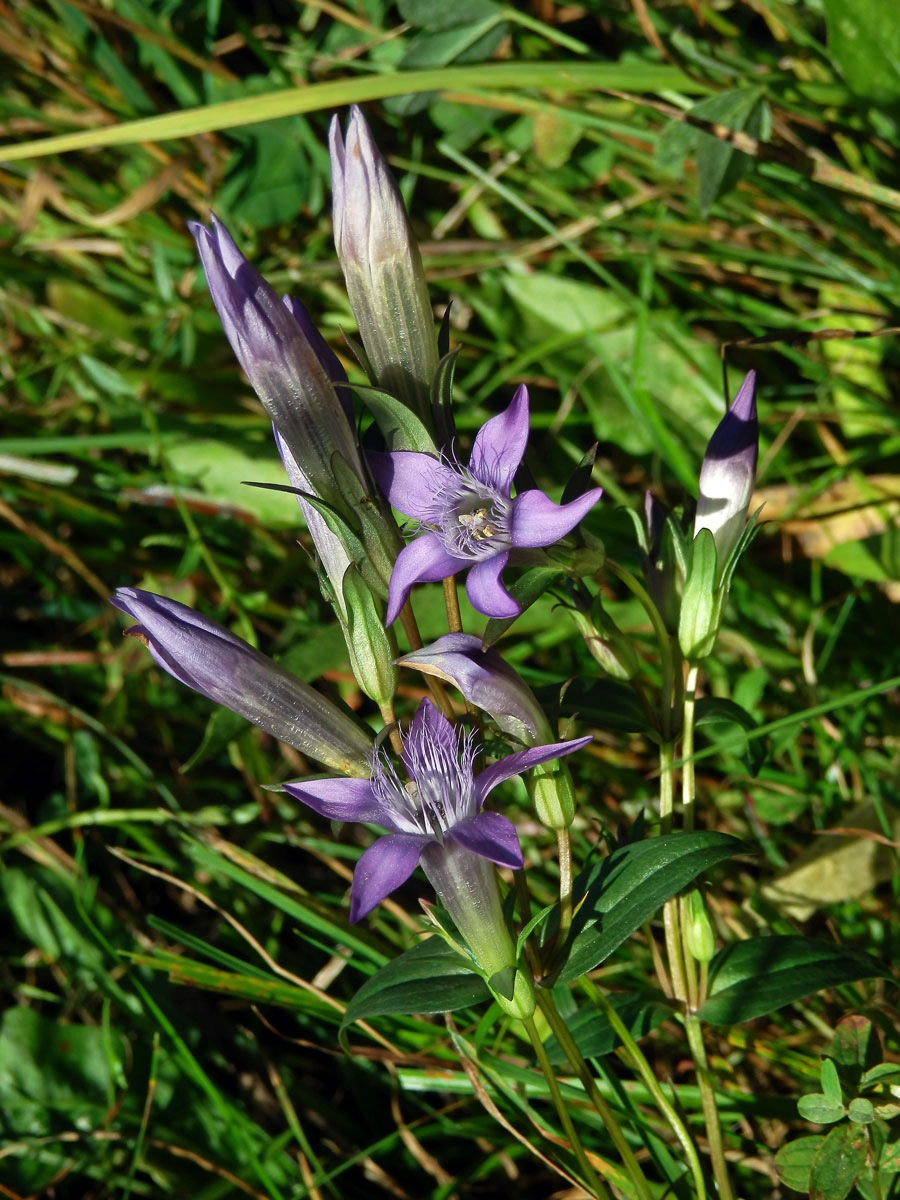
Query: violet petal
column 385, row 866
column 485, row 589
column 423, row 560
column 412, row 481
column 491, row 835
column 342, row 800
column 499, row 445
column 486, row 680
column 522, row 760
column 537, row 521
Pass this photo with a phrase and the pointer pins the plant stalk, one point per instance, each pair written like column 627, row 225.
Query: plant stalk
column 580, row 1067
column 597, row 1188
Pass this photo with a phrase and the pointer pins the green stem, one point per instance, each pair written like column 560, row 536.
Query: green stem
column 451, row 603
column 667, row 661
column 670, row 908
column 691, row 992
column 710, row 1110
column 580, row 1067
column 438, row 692
column 597, row 1188
column 639, row 1062
column 390, row 721
column 688, row 784
column 564, row 846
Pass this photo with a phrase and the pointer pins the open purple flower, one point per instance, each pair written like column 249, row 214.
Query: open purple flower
column 472, row 521
column 436, row 819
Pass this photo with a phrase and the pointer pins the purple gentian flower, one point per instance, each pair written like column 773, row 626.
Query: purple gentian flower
column 382, row 267
column 205, row 656
column 290, row 366
column 485, row 679
column 728, row 473
column 473, row 523
column 436, row 818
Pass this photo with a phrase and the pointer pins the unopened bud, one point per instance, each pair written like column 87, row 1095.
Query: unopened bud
column 382, row 268
column 606, row 643
column 729, row 473
column 552, row 791
column 371, row 653
column 699, row 933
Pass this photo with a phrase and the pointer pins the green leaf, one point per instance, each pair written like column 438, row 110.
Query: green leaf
column 524, row 590
column 881, row 1073
column 425, row 14
column 217, row 469
column 864, row 42
column 794, row 1161
column 838, row 1162
column 717, row 716
column 861, row 1111
column 720, row 166
column 625, row 889
column 853, row 1044
column 791, row 967
column 889, row 1162
column 222, row 728
column 400, row 426
column 595, row 1036
column 819, row 1109
column 608, row 703
column 429, row 978
column 54, row 1075
column 831, row 1084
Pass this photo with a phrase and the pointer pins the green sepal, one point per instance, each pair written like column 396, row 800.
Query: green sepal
column 698, row 622
column 442, row 395
column 401, row 428
column 371, row 653
column 380, row 540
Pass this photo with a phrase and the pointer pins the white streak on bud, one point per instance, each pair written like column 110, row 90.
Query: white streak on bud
column 729, row 472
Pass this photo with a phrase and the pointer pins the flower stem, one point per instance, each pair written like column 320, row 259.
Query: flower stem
column 639, row 1062
column 438, row 692
column 564, row 846
column 451, row 603
column 670, row 908
column 580, row 1067
column 390, row 721
column 667, row 659
column 690, row 995
column 710, row 1110
column 688, row 784
column 597, row 1188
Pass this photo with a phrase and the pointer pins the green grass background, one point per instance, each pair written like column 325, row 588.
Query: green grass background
column 617, row 198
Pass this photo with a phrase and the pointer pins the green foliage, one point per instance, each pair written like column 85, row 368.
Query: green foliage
column 177, row 961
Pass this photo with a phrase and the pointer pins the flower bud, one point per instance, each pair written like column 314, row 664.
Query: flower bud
column 371, row 654
column 728, row 473
column 487, row 681
column 382, row 268
column 223, row 667
column 606, row 643
column 699, row 933
column 552, row 792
